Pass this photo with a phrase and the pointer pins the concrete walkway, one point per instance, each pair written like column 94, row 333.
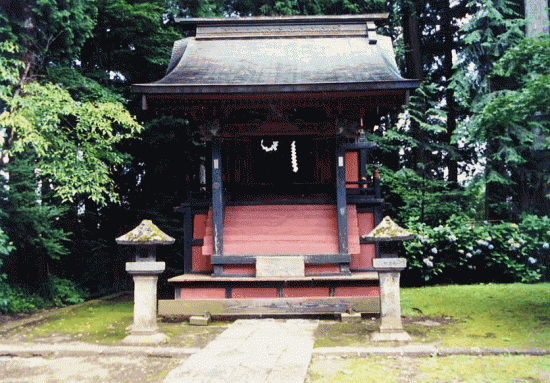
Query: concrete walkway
column 259, row 350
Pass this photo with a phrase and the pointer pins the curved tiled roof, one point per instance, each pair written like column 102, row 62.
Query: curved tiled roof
column 271, row 55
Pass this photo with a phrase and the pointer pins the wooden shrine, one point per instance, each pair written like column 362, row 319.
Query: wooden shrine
column 281, row 103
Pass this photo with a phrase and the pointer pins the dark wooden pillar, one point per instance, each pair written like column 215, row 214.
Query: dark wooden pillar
column 217, row 196
column 362, row 164
column 378, row 208
column 341, row 204
column 187, row 240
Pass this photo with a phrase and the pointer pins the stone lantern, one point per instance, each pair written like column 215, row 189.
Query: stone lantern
column 145, row 271
column 387, row 235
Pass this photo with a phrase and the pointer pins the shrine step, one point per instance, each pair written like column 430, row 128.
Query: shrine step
column 272, row 296
column 282, row 229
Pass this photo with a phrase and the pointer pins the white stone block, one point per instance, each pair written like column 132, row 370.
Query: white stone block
column 145, row 268
column 389, row 263
column 281, row 266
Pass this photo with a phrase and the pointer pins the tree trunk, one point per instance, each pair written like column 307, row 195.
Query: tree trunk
column 414, row 70
column 452, row 164
column 536, row 15
column 413, row 55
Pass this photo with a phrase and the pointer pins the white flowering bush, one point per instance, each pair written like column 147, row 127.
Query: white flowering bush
column 462, row 251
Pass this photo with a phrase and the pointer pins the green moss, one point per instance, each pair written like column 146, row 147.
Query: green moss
column 439, row 369
column 331, row 333
column 104, row 322
column 107, row 323
column 369, row 370
column 146, row 232
column 388, row 228
column 486, row 369
column 495, row 315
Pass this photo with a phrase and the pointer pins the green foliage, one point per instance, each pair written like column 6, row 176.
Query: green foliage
column 430, row 200
column 16, row 299
column 462, row 251
column 31, row 226
column 210, row 8
column 74, row 141
column 5, row 245
column 67, row 292
column 9, row 70
column 21, row 299
column 515, row 125
column 130, row 40
column 493, row 28
column 28, row 221
column 52, row 31
column 82, row 88
column 62, row 27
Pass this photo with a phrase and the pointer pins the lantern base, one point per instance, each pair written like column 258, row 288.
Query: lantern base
column 145, row 338
column 390, row 336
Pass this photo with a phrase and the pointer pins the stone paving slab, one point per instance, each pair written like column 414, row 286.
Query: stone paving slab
column 259, row 350
column 423, row 351
column 27, row 349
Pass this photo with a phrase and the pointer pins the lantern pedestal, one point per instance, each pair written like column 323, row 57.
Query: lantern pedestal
column 145, row 329
column 388, row 235
column 391, row 328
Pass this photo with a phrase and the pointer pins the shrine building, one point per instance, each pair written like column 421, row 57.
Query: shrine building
column 282, row 103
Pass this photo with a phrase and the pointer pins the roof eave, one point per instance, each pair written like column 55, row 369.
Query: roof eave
column 186, row 89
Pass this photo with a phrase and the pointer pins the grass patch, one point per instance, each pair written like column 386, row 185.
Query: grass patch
column 485, row 369
column 184, row 335
column 440, row 369
column 107, row 322
column 336, row 334
column 100, row 322
column 350, row 370
column 493, row 315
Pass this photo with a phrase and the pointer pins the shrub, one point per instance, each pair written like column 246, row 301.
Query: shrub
column 66, row 292
column 20, row 299
column 462, row 251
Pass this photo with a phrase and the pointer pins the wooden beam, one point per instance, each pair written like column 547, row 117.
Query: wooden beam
column 272, row 306
column 250, row 259
column 209, row 280
column 217, row 196
column 341, row 203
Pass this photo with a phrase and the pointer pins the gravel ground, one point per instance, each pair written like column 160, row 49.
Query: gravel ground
column 125, row 368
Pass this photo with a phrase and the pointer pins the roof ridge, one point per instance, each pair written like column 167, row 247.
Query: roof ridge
column 308, row 19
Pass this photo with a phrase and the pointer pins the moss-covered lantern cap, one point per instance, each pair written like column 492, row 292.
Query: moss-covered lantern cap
column 146, row 233
column 387, row 231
